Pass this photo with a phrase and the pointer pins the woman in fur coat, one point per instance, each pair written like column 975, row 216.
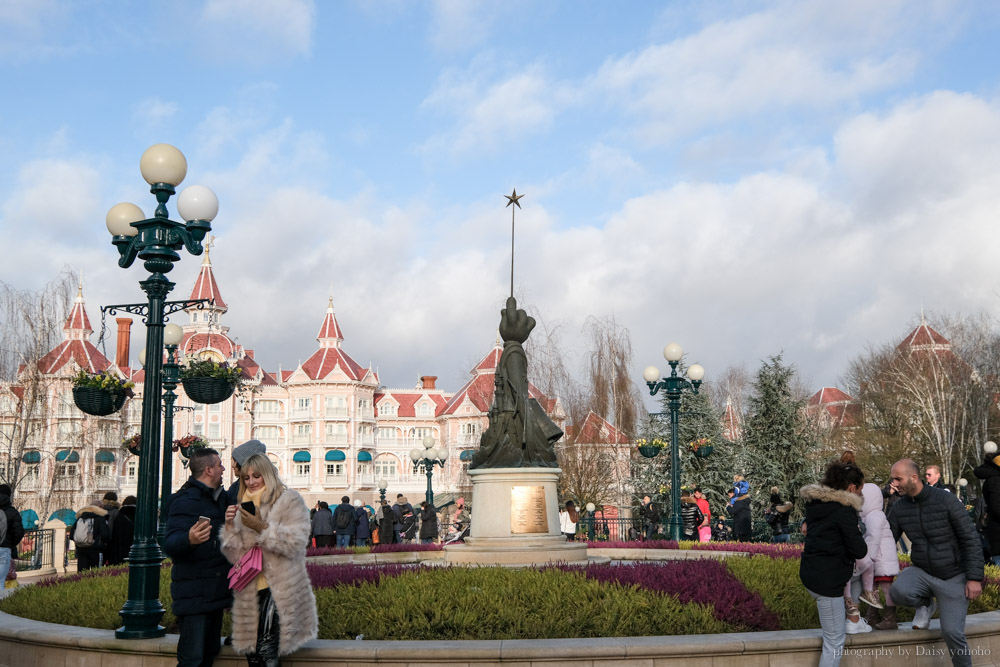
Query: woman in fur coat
column 276, row 613
column 833, row 543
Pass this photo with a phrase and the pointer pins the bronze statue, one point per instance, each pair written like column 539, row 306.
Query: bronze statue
column 520, row 434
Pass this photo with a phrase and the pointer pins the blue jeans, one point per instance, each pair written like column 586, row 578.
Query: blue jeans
column 200, row 639
column 995, row 560
column 5, row 557
column 343, row 540
column 833, row 620
column 782, row 537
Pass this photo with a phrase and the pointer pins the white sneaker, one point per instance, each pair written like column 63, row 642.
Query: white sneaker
column 858, row 628
column 922, row 617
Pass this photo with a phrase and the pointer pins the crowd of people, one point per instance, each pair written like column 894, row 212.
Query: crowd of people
column 398, row 523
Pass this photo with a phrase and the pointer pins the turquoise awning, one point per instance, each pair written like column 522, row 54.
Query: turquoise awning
column 302, row 457
column 466, row 455
column 364, row 456
column 336, row 455
column 67, row 456
column 104, row 456
column 67, row 516
column 32, row 457
column 29, row 519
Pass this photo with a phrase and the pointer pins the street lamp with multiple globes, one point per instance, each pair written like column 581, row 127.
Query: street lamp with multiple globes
column 428, row 458
column 156, row 241
column 674, row 387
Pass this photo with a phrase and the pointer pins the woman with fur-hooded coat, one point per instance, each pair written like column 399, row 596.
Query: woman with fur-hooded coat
column 833, row 543
column 280, row 525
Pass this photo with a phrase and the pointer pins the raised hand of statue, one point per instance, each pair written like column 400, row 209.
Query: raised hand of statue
column 515, row 324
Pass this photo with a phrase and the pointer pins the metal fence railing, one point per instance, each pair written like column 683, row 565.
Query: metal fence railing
column 36, row 550
column 599, row 529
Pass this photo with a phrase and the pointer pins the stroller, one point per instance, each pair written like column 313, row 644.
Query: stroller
column 457, row 532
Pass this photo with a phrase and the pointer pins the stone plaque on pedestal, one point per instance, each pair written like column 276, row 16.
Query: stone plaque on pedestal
column 515, row 520
column 527, row 510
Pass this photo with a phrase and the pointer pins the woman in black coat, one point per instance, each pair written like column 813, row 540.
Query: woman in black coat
column 428, row 523
column 833, row 542
column 989, row 473
column 122, row 529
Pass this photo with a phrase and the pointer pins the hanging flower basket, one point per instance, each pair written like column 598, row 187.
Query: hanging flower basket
column 97, row 402
column 207, row 381
column 207, row 390
column 701, row 447
column 100, row 394
column 188, row 445
column 133, row 444
column 650, row 448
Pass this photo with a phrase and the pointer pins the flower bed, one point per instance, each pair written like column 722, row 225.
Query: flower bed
column 376, row 549
column 700, row 596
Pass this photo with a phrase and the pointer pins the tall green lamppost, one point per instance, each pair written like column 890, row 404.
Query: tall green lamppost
column 674, row 387
column 427, row 459
column 156, row 241
column 382, row 486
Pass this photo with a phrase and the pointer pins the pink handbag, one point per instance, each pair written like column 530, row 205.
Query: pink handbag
column 247, row 569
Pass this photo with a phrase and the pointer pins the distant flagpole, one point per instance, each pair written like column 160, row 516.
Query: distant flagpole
column 512, row 198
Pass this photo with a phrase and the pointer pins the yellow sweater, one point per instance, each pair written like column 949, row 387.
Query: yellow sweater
column 261, row 580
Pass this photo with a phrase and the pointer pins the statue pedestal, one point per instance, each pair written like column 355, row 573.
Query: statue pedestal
column 515, row 520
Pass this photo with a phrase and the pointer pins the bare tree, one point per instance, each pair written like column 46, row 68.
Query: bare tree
column 30, row 326
column 933, row 403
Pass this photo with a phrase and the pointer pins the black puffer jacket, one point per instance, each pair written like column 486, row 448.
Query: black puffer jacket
column 833, row 539
column 989, row 473
column 15, row 529
column 944, row 541
column 691, row 517
column 199, row 580
column 742, row 524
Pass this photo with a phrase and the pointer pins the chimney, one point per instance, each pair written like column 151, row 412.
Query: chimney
column 428, row 381
column 124, row 335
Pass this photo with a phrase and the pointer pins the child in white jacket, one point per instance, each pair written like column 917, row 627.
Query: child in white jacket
column 881, row 564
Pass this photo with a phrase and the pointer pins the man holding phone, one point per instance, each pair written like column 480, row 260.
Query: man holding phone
column 198, row 579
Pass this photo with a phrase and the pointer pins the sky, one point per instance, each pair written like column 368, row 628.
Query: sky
column 742, row 178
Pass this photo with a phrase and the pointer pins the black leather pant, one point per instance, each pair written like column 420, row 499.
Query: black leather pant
column 268, row 633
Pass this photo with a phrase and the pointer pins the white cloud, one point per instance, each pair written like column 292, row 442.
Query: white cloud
column 491, row 114
column 794, row 55
column 152, row 113
column 246, row 30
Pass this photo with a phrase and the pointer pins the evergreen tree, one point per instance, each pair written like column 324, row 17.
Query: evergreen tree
column 777, row 438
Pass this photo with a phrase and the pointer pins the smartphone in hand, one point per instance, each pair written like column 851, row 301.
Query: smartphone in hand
column 248, row 506
column 204, row 519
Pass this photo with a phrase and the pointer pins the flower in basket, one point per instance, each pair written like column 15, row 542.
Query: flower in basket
column 103, row 380
column 189, row 443
column 651, row 442
column 207, row 368
column 699, row 443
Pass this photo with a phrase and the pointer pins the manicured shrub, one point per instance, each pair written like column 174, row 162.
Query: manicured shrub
column 498, row 603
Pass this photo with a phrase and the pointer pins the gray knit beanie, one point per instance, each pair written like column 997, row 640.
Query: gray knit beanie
column 246, row 450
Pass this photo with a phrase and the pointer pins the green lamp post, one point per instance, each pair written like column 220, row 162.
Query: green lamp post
column 428, row 458
column 156, row 241
column 382, row 486
column 674, row 387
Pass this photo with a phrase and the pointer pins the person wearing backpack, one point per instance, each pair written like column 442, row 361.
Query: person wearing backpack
column 11, row 530
column 91, row 533
column 345, row 522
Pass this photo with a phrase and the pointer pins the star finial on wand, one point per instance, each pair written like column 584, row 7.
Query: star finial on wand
column 512, row 198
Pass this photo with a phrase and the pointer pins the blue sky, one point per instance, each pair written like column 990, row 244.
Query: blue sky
column 745, row 178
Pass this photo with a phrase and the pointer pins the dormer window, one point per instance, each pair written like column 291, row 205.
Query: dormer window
column 424, row 409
